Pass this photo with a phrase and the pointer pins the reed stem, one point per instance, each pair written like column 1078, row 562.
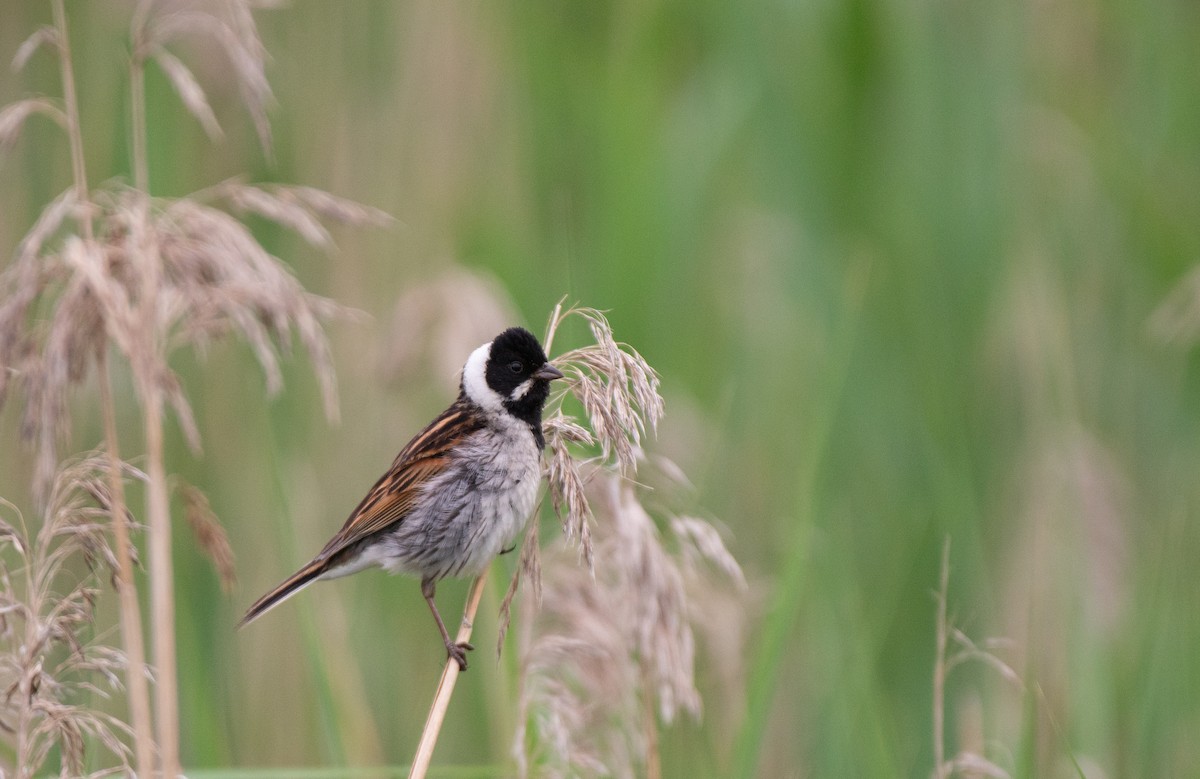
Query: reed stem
column 71, row 110
column 162, row 576
column 137, row 110
column 162, row 585
column 445, row 688
column 130, row 611
column 650, row 723
column 130, row 614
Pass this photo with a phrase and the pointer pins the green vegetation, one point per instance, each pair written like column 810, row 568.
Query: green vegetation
column 909, row 271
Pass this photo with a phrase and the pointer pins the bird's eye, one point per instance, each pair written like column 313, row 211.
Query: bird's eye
column 515, row 366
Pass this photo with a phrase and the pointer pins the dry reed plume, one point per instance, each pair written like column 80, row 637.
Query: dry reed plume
column 618, row 391
column 50, row 666
column 611, row 654
column 117, row 269
column 612, row 650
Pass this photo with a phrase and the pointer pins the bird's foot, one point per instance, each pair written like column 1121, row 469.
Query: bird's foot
column 459, row 653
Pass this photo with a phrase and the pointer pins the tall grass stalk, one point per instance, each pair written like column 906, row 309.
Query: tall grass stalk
column 445, row 688
column 162, row 576
column 162, row 586
column 650, row 723
column 71, row 111
column 132, row 637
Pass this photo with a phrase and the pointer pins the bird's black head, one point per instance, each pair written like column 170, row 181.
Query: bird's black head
column 518, row 372
column 511, row 373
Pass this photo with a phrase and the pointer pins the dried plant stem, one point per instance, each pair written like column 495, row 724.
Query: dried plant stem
column 137, row 109
column 131, row 617
column 71, row 106
column 650, row 724
column 162, row 576
column 940, row 769
column 445, row 688
column 162, row 585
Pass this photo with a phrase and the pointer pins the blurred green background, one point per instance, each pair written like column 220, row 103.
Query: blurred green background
column 898, row 264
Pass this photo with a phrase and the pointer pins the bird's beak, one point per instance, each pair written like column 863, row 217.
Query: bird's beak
column 547, row 372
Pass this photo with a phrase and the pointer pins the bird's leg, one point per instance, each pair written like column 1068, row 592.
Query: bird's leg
column 457, row 651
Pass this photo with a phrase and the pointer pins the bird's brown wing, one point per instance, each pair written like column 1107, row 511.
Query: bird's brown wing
column 388, row 502
column 393, row 496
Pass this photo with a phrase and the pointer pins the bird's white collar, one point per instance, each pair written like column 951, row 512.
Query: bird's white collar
column 475, row 380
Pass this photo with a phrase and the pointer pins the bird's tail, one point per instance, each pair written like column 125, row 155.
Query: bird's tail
column 286, row 589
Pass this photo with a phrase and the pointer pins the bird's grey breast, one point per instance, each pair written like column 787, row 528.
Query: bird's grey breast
column 475, row 508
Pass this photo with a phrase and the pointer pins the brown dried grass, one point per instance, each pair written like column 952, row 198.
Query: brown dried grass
column 209, row 534
column 51, row 664
column 143, row 276
column 611, row 652
column 618, row 391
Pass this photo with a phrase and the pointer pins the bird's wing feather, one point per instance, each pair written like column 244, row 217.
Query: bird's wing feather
column 393, row 496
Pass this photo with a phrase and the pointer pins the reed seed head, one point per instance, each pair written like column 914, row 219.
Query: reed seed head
column 51, row 662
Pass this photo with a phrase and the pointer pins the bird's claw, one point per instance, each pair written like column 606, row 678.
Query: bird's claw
column 459, row 653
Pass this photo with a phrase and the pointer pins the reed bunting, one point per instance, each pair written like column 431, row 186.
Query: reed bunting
column 459, row 493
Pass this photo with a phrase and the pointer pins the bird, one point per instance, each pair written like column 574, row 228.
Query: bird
column 459, row 493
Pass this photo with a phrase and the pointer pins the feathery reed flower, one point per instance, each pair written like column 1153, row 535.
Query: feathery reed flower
column 619, row 393
column 50, row 664
column 61, row 303
column 612, row 648
column 610, row 654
